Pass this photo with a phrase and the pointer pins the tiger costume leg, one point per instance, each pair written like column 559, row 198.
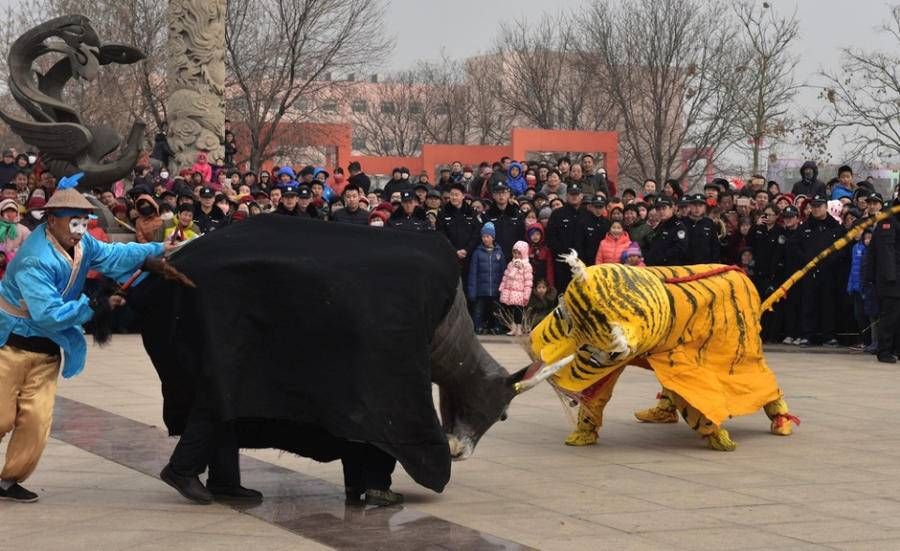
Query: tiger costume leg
column 782, row 420
column 590, row 411
column 716, row 437
column 663, row 412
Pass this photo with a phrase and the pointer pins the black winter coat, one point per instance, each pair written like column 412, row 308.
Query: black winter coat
column 460, row 227
column 566, row 230
column 703, row 236
column 344, row 216
column 810, row 187
column 816, row 236
column 509, row 225
column 768, row 255
column 595, row 229
column 881, row 265
column 416, row 222
column 669, row 245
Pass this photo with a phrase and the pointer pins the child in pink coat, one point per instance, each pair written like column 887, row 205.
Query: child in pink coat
column 515, row 287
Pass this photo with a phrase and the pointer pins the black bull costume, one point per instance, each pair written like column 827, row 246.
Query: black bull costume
column 307, row 335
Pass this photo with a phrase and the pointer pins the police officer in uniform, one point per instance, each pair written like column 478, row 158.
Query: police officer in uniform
column 821, row 288
column 784, row 265
column 565, row 232
column 767, row 241
column 596, row 227
column 882, row 268
column 410, row 216
column 458, row 224
column 669, row 245
column 703, row 235
column 509, row 223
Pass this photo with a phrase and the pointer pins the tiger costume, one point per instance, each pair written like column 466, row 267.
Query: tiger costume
column 696, row 327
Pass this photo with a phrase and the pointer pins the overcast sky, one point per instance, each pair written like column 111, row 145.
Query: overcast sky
column 466, row 27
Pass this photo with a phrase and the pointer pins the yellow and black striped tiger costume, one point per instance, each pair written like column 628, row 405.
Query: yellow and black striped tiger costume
column 696, row 327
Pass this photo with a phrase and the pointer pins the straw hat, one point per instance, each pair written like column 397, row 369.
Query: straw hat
column 67, row 196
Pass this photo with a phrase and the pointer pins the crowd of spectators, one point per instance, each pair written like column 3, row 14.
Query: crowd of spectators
column 510, row 221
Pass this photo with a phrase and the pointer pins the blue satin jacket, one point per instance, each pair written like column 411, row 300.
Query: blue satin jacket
column 41, row 292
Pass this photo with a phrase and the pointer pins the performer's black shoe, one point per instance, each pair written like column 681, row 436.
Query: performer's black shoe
column 188, row 486
column 352, row 496
column 887, row 358
column 383, row 498
column 234, row 493
column 18, row 493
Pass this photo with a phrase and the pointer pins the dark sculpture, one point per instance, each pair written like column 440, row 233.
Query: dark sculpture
column 67, row 144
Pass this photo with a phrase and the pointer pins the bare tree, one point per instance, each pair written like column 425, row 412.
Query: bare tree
column 390, row 122
column 531, row 63
column 447, row 106
column 772, row 85
column 862, row 99
column 490, row 124
column 674, row 71
column 278, row 52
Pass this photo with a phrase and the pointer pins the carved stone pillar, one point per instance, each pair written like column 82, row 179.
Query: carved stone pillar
column 196, row 79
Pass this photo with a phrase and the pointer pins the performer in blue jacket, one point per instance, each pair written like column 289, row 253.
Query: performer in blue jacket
column 42, row 308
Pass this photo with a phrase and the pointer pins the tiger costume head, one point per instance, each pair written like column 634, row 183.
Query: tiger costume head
column 609, row 314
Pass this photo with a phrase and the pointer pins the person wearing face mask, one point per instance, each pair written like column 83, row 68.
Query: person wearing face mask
column 42, row 309
column 379, row 217
column 148, row 225
column 164, row 179
column 35, row 210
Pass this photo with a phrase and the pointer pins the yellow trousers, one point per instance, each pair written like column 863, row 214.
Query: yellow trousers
column 27, row 393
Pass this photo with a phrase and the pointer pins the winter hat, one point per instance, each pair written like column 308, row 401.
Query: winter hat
column 384, row 215
column 545, row 213
column 534, row 228
column 8, row 204
column 488, row 229
column 36, row 202
column 633, row 250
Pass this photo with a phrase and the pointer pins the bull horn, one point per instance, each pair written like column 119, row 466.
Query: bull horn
column 542, row 375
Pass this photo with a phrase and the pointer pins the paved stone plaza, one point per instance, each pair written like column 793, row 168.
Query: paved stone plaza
column 833, row 485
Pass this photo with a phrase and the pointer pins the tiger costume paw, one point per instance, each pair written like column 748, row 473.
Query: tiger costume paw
column 656, row 414
column 721, row 441
column 582, row 437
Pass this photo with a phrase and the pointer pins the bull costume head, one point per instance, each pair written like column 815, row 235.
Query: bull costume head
column 474, row 389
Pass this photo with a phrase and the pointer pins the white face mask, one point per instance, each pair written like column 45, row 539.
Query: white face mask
column 32, row 159
column 37, row 214
column 78, row 226
column 377, row 223
column 164, row 175
column 166, row 216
